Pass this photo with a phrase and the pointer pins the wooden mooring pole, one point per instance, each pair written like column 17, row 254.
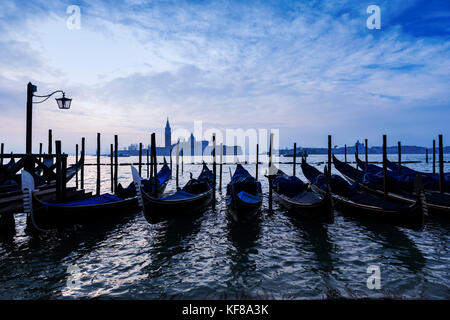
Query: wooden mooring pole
column 2, row 151
column 148, row 164
column 171, row 162
column 399, row 146
column 155, row 165
column 177, row 163
column 58, row 171
column 63, row 176
column 385, row 181
column 329, row 155
column 98, row 164
column 220, row 167
column 50, row 142
column 140, row 159
column 345, row 153
column 441, row 164
column 40, row 151
column 426, row 155
column 366, row 142
column 112, row 166
column 83, row 153
column 214, row 168
column 257, row 161
column 294, row 159
column 116, row 161
column 434, row 156
column 269, row 171
column 76, row 161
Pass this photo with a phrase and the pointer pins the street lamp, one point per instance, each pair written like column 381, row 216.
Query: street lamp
column 63, row 103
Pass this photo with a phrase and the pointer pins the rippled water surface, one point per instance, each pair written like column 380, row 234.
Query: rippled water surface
column 208, row 257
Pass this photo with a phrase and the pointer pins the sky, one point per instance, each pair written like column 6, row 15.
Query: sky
column 306, row 68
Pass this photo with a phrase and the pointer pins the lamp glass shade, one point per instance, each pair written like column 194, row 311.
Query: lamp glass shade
column 64, row 103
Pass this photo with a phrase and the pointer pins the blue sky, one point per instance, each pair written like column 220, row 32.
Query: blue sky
column 307, row 68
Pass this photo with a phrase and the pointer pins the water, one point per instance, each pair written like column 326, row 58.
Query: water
column 211, row 258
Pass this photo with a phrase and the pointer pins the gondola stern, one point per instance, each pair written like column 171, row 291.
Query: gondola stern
column 137, row 183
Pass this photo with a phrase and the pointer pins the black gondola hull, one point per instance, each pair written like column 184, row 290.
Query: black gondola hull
column 242, row 211
column 51, row 217
column 157, row 210
column 322, row 211
column 437, row 204
column 411, row 217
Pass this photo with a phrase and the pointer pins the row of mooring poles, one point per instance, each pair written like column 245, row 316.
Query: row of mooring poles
column 399, row 147
column 113, row 164
column 61, row 172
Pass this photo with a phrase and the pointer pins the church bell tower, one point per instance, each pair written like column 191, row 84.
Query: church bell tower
column 168, row 135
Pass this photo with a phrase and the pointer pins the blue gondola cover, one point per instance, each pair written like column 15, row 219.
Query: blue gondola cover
column 104, row 198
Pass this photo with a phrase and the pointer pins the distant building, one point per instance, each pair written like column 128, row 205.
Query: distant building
column 168, row 136
column 191, row 147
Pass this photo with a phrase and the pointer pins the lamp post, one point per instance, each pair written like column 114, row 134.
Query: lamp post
column 63, row 103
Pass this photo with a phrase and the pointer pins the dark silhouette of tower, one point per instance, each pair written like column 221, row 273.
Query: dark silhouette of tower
column 168, row 135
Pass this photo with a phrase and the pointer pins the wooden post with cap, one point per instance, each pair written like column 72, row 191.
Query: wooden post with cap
column 98, row 164
column 385, row 180
column 441, row 164
column 294, row 159
column 366, row 142
column 269, row 171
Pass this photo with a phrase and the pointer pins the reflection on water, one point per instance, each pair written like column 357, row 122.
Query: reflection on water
column 209, row 257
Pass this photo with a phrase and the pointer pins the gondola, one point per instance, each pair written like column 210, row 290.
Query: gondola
column 44, row 216
column 10, row 181
column 162, row 178
column 353, row 200
column 293, row 194
column 431, row 180
column 437, row 203
column 403, row 169
column 195, row 196
column 244, row 195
